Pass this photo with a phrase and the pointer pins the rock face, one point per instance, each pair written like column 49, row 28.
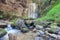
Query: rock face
column 17, row 7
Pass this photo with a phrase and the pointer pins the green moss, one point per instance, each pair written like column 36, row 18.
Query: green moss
column 2, row 32
column 53, row 13
column 47, row 9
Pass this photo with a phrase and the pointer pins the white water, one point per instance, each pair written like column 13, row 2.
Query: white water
column 9, row 29
column 32, row 12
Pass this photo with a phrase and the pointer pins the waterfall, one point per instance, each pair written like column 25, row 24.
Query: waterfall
column 32, row 12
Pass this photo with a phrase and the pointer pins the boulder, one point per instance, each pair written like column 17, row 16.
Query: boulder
column 3, row 26
column 39, row 27
column 58, row 24
column 30, row 24
column 34, row 30
column 53, row 31
column 45, row 24
column 21, row 24
column 24, row 30
column 2, row 32
column 40, row 33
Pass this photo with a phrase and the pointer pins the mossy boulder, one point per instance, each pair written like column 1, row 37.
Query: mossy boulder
column 24, row 30
column 54, row 29
column 2, row 32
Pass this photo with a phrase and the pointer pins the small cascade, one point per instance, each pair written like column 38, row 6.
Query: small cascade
column 32, row 12
column 9, row 29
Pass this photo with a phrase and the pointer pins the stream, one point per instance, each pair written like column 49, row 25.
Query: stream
column 9, row 29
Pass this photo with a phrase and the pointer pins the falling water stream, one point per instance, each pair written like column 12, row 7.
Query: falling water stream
column 32, row 12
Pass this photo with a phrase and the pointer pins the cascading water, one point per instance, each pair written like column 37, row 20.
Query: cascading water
column 32, row 12
column 9, row 29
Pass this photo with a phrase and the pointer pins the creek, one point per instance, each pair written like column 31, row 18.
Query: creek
column 11, row 30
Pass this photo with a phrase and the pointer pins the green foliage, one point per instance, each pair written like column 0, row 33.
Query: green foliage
column 13, row 22
column 1, row 14
column 53, row 13
column 47, row 9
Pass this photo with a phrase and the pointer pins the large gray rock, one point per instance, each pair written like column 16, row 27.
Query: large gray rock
column 39, row 27
column 24, row 30
column 22, row 26
column 56, row 30
column 40, row 33
column 20, row 23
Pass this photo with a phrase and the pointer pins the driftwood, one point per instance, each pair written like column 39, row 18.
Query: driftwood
column 12, row 37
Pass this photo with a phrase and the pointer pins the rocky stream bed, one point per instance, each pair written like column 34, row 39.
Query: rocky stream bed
column 31, row 32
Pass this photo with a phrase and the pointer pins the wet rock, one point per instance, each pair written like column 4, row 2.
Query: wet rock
column 47, row 37
column 56, row 30
column 58, row 37
column 21, row 24
column 2, row 32
column 47, row 29
column 39, row 27
column 59, row 33
column 3, row 26
column 29, row 23
column 40, row 33
column 58, row 24
column 24, row 30
column 38, row 38
column 31, row 27
column 14, row 26
column 34, row 30
column 50, row 38
column 45, row 24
